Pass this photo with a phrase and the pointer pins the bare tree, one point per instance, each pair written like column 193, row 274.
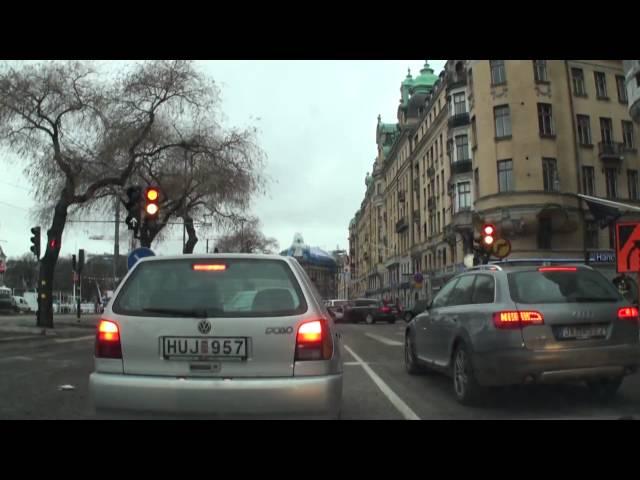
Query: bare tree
column 246, row 237
column 81, row 133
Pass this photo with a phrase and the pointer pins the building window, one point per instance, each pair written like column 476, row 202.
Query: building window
column 544, row 233
column 601, row 85
column 476, row 181
column 459, row 106
column 584, row 130
column 462, row 148
column 498, row 74
column 474, row 133
column 632, row 177
column 463, row 196
column 438, row 224
column 577, row 75
column 441, row 144
column 611, row 179
column 627, row 135
column 444, row 257
column 622, row 90
column 550, row 175
column 588, row 181
column 545, row 119
column 505, row 178
column 540, row 71
column 606, row 130
column 591, row 231
column 502, row 118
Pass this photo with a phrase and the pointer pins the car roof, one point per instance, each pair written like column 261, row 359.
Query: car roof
column 214, row 256
column 519, row 267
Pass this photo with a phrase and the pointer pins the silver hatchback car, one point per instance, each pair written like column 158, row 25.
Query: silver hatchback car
column 495, row 326
column 176, row 341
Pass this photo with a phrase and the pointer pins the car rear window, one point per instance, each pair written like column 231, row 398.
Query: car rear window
column 237, row 288
column 561, row 286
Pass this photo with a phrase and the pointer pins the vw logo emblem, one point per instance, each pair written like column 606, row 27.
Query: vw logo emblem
column 204, row 326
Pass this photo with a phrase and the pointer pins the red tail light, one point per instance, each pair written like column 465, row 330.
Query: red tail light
column 517, row 319
column 108, row 340
column 313, row 341
column 209, row 267
column 628, row 313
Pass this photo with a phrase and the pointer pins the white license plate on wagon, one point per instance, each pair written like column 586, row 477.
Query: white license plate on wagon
column 204, row 347
column 583, row 333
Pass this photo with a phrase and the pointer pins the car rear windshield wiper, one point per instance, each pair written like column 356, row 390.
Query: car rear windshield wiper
column 194, row 312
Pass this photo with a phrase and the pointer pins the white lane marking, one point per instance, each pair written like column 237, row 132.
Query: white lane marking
column 397, row 402
column 350, row 363
column 385, row 340
column 77, row 339
column 17, row 357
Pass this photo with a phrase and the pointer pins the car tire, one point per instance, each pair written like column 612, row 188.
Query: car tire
column 369, row 319
column 411, row 363
column 408, row 317
column 465, row 386
column 605, row 389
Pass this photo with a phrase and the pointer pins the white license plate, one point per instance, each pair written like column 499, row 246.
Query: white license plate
column 581, row 333
column 204, row 347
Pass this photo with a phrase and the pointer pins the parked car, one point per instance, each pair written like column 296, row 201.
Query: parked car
column 21, row 305
column 507, row 325
column 336, row 308
column 418, row 307
column 178, row 340
column 370, row 311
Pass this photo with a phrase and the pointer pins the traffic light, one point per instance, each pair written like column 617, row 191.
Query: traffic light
column 151, row 202
column 35, row 241
column 74, row 265
column 488, row 236
column 80, row 260
column 134, row 196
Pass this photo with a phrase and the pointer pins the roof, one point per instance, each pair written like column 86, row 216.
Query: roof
column 212, row 256
column 426, row 80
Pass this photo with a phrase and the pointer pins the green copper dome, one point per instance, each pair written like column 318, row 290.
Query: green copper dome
column 425, row 81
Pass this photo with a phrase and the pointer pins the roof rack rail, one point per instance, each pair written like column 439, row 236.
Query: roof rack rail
column 485, row 267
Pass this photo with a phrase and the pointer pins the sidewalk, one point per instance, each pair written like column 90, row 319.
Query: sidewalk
column 64, row 325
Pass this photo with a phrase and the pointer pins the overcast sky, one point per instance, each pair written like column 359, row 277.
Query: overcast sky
column 317, row 123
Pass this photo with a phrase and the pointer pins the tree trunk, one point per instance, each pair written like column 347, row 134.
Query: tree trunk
column 48, row 264
column 191, row 231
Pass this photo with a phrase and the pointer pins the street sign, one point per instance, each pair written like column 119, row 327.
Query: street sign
column 137, row 254
column 627, row 249
column 502, row 248
column 602, row 256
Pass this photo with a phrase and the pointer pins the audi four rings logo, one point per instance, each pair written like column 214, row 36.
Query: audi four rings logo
column 279, row 330
column 204, row 327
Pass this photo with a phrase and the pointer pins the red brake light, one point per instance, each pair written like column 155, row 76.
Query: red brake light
column 625, row 313
column 108, row 340
column 517, row 319
column 313, row 341
column 557, row 269
column 310, row 332
column 209, row 267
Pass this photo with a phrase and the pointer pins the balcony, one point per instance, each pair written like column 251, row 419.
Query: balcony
column 461, row 166
column 401, row 196
column 401, row 225
column 416, row 216
column 431, row 203
column 611, row 152
column 431, row 172
column 463, row 218
column 458, row 120
column 456, row 79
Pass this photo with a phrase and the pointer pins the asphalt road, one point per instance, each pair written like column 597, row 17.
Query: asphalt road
column 376, row 385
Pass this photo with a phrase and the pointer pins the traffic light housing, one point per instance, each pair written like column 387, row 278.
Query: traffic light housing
column 488, row 236
column 35, row 242
column 151, row 202
column 80, row 260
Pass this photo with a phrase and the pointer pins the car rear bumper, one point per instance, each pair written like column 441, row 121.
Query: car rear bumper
column 549, row 366
column 290, row 397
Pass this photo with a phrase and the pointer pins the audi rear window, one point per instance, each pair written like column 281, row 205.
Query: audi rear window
column 561, row 286
column 222, row 287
